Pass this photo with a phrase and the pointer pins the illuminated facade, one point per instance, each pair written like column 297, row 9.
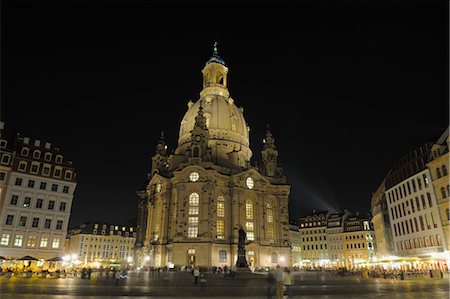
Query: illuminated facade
column 358, row 241
column 439, row 168
column 37, row 184
column 196, row 199
column 384, row 243
column 296, row 243
column 101, row 244
column 313, row 227
column 413, row 211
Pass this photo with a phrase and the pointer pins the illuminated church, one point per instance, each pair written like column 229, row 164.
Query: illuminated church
column 197, row 198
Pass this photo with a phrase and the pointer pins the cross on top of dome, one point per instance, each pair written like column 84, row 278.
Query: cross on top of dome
column 215, row 56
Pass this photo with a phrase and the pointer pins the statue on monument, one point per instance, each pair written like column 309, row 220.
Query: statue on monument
column 242, row 237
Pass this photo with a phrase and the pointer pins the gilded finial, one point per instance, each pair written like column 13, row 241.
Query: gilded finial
column 215, row 48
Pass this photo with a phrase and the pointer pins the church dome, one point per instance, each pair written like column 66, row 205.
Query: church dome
column 225, row 121
column 228, row 130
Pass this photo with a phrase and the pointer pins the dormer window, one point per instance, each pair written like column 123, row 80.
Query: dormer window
column 25, row 151
column 36, row 154
column 59, row 159
column 22, row 166
column 48, row 157
column 68, row 175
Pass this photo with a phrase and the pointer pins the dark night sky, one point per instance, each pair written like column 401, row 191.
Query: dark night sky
column 348, row 88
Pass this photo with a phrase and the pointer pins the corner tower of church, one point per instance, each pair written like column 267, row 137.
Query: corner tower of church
column 195, row 200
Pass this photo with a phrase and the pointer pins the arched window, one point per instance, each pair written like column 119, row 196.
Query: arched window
column 222, row 256
column 220, row 207
column 443, row 192
column 269, row 219
column 444, row 170
column 438, row 172
column 249, row 209
column 196, row 153
column 194, row 200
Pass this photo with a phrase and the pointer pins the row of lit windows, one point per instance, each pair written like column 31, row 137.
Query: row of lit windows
column 37, row 155
column 34, row 223
column 92, row 239
column 428, row 241
column 112, row 227
column 31, row 242
column 405, row 189
column 405, row 227
column 310, row 224
column 194, row 200
column 39, row 203
column 42, row 185
column 46, row 170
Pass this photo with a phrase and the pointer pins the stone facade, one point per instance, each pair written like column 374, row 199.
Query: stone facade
column 197, row 198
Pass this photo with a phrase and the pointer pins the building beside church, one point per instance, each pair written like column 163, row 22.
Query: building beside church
column 197, row 198
column 102, row 243
column 37, row 183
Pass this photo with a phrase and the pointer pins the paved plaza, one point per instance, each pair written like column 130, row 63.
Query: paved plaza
column 180, row 285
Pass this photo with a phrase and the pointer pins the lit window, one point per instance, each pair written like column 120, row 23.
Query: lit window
column 31, row 241
column 220, row 207
column 191, row 251
column 158, row 188
column 55, row 243
column 249, row 183
column 194, row 176
column 192, row 227
column 269, row 213
column 220, row 229
column 222, row 256
column 5, row 240
column 250, row 236
column 44, row 242
column 18, row 241
column 194, row 199
column 249, row 209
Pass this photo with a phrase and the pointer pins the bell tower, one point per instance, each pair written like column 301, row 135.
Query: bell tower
column 215, row 76
column 159, row 160
column 200, row 138
column 270, row 156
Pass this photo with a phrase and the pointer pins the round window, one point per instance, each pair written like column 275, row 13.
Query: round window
column 194, row 176
column 250, row 183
